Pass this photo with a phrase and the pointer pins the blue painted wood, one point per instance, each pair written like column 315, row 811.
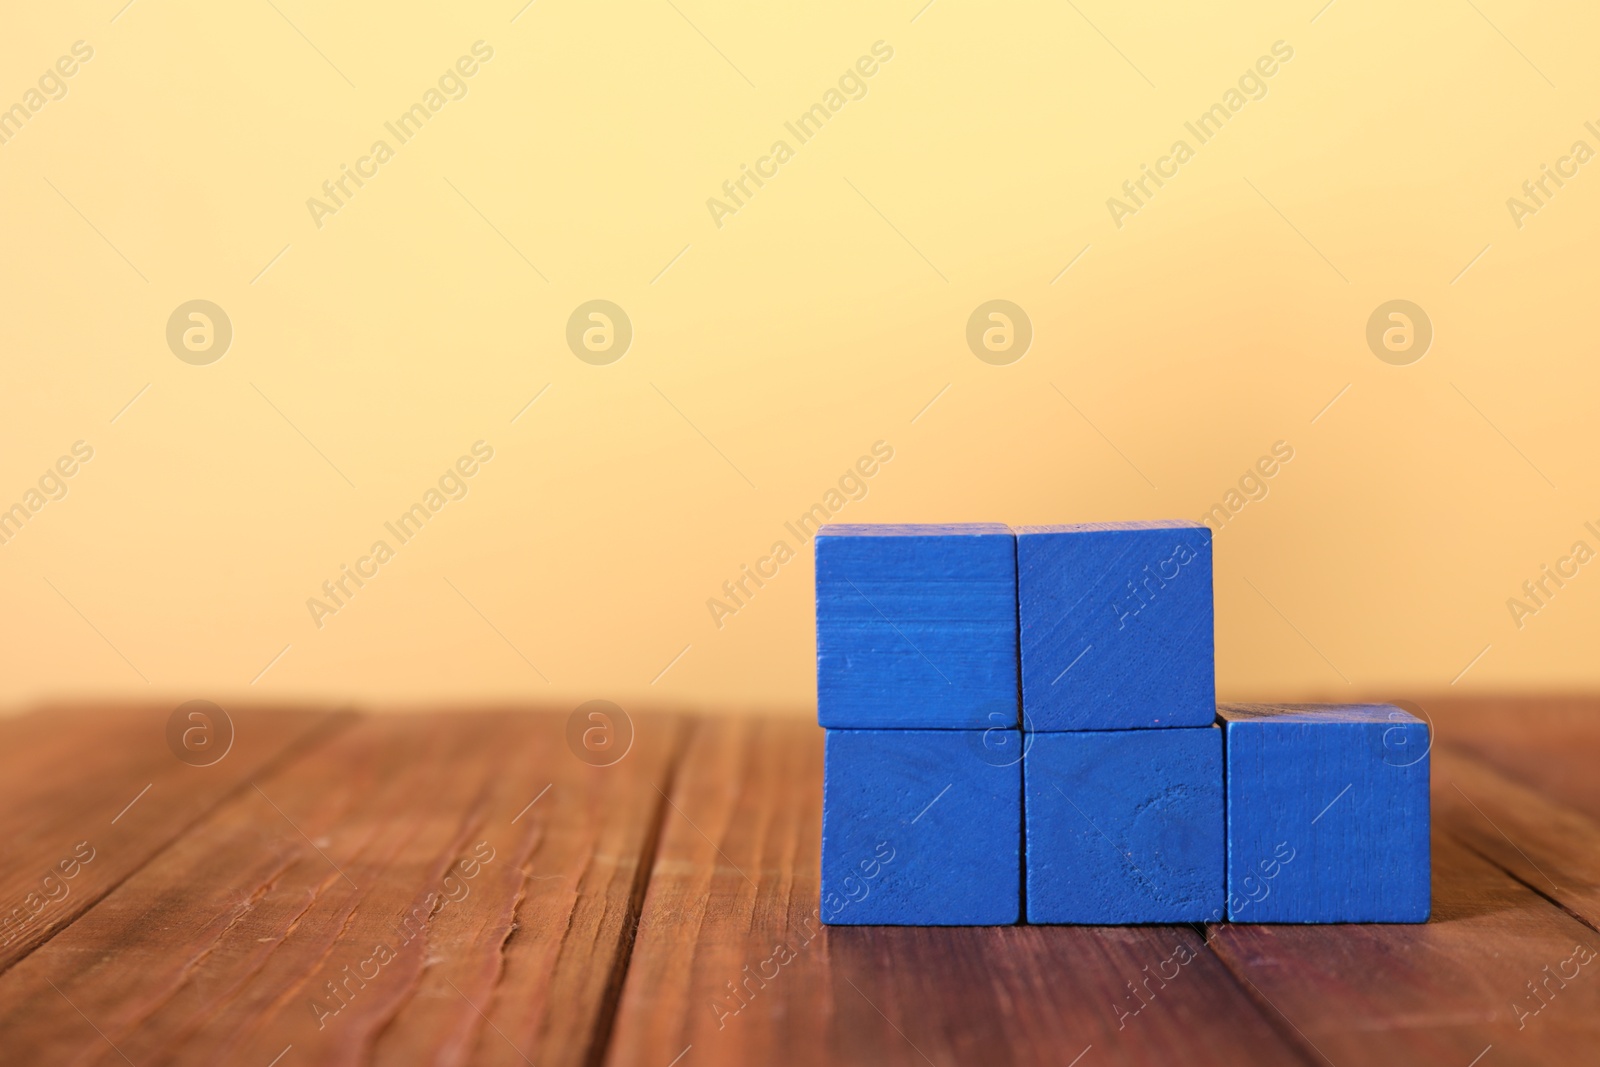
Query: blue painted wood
column 922, row 827
column 1124, row 826
column 916, row 626
column 1328, row 816
column 1116, row 625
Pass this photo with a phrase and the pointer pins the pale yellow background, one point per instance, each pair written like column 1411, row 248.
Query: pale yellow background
column 1220, row 319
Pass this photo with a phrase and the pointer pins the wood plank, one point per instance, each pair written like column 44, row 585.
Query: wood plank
column 1546, row 743
column 736, row 877
column 329, row 910
column 97, row 792
column 1550, row 847
column 1441, row 992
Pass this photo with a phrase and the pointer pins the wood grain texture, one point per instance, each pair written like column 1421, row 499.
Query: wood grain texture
column 732, row 966
column 1546, row 743
column 1440, row 992
column 81, row 782
column 390, row 898
column 574, row 915
column 1552, row 849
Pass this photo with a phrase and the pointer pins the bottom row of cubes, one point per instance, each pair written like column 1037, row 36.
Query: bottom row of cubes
column 1279, row 813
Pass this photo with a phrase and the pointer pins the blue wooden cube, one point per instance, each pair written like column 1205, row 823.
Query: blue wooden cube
column 922, row 827
column 1327, row 813
column 1125, row 826
column 1116, row 625
column 917, row 626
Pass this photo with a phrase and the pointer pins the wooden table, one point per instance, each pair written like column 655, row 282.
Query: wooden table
column 462, row 888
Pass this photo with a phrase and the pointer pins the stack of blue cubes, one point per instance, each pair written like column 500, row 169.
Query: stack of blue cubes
column 1022, row 726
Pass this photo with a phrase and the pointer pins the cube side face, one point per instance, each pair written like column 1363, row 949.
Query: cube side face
column 921, row 828
column 1116, row 626
column 1125, row 826
column 1328, row 818
column 917, row 629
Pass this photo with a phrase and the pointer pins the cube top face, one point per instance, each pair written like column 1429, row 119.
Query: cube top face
column 1288, row 713
column 909, row 529
column 917, row 627
column 1328, row 814
column 1112, row 527
column 1116, row 626
column 1125, row 826
column 922, row 828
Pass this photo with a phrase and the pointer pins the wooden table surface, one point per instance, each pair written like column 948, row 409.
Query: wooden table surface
column 462, row 888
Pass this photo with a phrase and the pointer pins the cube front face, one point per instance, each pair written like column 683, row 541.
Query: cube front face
column 1116, row 626
column 1328, row 814
column 1125, row 826
column 922, row 827
column 916, row 627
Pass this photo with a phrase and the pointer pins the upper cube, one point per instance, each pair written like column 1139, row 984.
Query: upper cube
column 917, row 626
column 1116, row 625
